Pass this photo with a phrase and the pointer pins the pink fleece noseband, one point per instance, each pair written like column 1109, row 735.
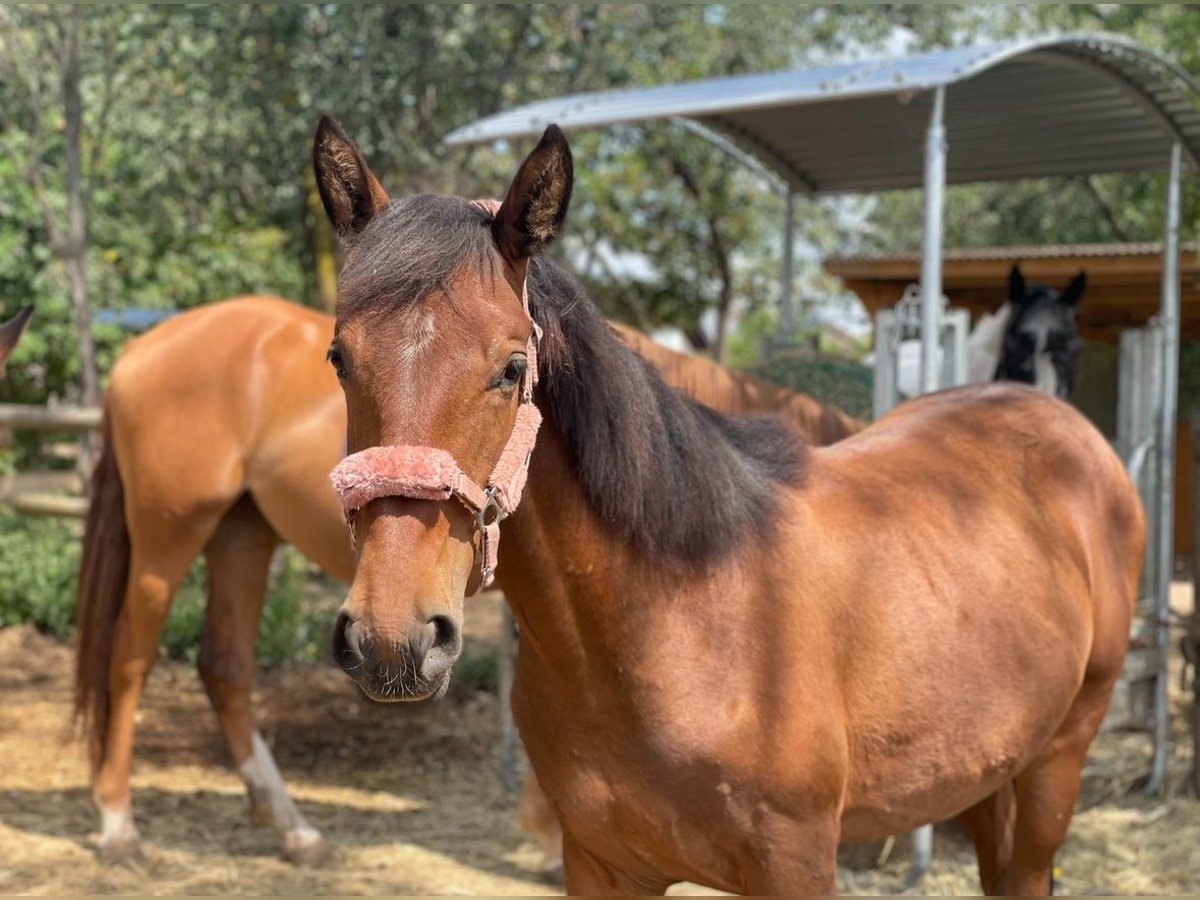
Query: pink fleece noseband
column 428, row 473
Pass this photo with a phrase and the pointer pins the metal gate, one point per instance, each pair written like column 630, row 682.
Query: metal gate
column 903, row 323
column 1136, row 702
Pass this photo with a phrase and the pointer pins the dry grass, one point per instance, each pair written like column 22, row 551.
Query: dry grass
column 411, row 797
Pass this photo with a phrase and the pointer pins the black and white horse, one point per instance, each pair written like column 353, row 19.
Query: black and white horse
column 1032, row 338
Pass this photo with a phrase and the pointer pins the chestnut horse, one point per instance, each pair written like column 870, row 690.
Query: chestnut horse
column 222, row 425
column 10, row 333
column 737, row 649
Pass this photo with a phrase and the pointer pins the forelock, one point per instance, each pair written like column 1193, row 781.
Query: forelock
column 416, row 245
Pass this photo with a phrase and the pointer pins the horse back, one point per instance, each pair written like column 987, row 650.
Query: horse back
column 229, row 398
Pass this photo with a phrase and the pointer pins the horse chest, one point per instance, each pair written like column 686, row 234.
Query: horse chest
column 651, row 800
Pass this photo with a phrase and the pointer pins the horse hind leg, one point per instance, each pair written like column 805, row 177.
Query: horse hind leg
column 536, row 816
column 160, row 557
column 239, row 558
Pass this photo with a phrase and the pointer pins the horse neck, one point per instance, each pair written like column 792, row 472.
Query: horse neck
column 631, row 487
column 587, row 600
column 561, row 569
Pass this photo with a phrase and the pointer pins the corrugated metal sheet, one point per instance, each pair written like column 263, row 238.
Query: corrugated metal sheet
column 1052, row 251
column 1070, row 105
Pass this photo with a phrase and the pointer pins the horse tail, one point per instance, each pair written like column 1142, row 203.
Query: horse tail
column 103, row 576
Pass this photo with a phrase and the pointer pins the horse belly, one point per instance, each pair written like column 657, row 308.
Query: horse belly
column 957, row 724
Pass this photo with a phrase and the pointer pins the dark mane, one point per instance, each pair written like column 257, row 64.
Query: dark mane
column 673, row 477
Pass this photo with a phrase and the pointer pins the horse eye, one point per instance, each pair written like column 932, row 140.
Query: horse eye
column 335, row 359
column 513, row 370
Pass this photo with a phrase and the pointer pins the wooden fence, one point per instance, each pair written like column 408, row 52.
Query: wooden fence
column 47, row 493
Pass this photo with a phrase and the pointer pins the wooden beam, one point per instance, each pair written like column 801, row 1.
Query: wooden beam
column 21, row 416
column 50, row 505
column 1123, row 289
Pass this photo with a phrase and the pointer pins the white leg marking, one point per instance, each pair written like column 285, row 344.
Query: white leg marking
column 268, row 793
column 1044, row 374
column 116, row 826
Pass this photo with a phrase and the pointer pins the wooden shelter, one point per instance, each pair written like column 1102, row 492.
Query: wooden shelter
column 1124, row 286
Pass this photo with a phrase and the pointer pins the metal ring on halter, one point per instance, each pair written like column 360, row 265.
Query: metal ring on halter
column 489, row 505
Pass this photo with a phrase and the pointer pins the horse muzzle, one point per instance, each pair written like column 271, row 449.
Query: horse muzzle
column 415, row 667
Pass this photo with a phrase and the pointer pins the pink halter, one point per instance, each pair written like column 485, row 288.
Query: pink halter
column 428, row 473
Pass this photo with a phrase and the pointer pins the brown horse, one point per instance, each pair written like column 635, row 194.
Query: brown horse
column 222, row 425
column 737, row 649
column 10, row 333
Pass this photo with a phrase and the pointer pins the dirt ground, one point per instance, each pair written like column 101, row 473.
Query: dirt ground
column 411, row 797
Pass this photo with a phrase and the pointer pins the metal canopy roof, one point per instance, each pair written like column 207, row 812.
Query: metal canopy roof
column 1075, row 104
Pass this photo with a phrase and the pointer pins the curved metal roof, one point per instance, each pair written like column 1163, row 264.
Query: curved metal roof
column 1075, row 104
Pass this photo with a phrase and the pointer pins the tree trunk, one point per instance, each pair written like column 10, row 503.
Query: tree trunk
column 1194, row 418
column 324, row 248
column 75, row 243
column 720, row 254
column 724, row 308
column 1192, row 634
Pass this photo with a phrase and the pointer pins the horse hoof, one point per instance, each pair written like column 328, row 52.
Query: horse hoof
column 305, row 847
column 121, row 852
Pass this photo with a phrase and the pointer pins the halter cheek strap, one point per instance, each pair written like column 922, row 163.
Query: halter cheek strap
column 429, row 473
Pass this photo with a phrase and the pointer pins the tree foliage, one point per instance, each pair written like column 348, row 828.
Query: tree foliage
column 198, row 120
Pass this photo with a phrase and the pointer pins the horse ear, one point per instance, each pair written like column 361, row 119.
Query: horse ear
column 533, row 211
column 1016, row 286
column 1074, row 292
column 351, row 193
column 10, row 333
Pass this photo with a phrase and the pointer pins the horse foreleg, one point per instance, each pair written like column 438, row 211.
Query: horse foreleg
column 239, row 558
column 990, row 824
column 797, row 858
column 1046, row 793
column 587, row 875
column 156, row 570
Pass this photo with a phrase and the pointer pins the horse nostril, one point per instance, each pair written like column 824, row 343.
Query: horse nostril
column 347, row 650
column 447, row 636
column 436, row 647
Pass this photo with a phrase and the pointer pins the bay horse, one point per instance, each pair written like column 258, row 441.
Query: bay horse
column 10, row 333
column 221, row 426
column 737, row 649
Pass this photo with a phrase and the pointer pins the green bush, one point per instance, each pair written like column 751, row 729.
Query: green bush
column 39, row 564
column 479, row 667
column 834, row 380
column 39, row 559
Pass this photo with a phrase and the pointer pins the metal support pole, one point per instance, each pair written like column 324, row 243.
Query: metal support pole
column 510, row 743
column 787, row 311
column 931, row 250
column 1169, row 314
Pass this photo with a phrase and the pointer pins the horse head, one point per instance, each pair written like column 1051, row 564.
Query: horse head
column 1041, row 339
column 436, row 352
